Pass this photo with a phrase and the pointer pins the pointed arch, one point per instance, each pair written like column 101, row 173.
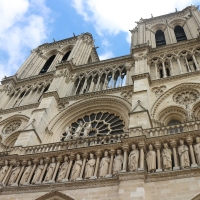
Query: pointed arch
column 55, row 195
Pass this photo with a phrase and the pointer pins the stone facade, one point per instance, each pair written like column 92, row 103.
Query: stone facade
column 75, row 127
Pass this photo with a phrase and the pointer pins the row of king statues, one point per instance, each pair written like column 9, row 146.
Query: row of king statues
column 82, row 167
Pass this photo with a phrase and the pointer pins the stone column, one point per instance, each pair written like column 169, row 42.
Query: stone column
column 179, row 64
column 187, row 64
column 171, row 67
column 158, row 146
column 84, row 85
column 156, row 70
column 58, row 159
column 112, row 153
column 24, row 162
column 69, row 168
column 77, row 85
column 35, row 161
column 98, row 154
column 12, row 163
column 190, row 142
column 83, row 167
column 125, row 149
column 91, row 85
column 97, row 85
column 164, row 71
column 47, row 160
column 113, row 81
column 173, row 143
column 195, row 61
column 141, row 147
column 127, row 75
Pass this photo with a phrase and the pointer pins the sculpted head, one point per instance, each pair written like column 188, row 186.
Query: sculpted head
column 41, row 161
column 78, row 157
column 65, row 158
column 105, row 153
column 53, row 160
column 91, row 155
column 150, row 147
column 165, row 145
column 18, row 163
column 29, row 163
column 181, row 142
column 119, row 152
column 197, row 140
column 133, row 146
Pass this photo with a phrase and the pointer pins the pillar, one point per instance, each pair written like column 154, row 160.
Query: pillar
column 195, row 61
column 173, row 143
column 158, row 146
column 164, row 71
column 98, row 154
column 83, row 166
column 141, row 147
column 156, row 70
column 58, row 159
column 125, row 149
column 171, row 67
column 179, row 64
column 112, row 152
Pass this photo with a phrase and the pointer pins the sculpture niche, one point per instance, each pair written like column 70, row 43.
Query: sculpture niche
column 14, row 174
column 26, row 174
column 104, row 165
column 63, row 170
column 183, row 155
column 151, row 159
column 50, row 171
column 197, row 150
column 167, row 157
column 3, row 171
column 90, row 166
column 133, row 158
column 118, row 162
column 38, row 172
column 76, row 170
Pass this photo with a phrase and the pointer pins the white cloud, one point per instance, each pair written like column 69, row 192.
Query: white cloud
column 106, row 55
column 23, row 27
column 113, row 16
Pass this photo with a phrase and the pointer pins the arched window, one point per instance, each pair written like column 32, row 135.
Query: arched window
column 160, row 38
column 175, row 129
column 168, row 71
column 180, row 33
column 65, row 57
column 47, row 64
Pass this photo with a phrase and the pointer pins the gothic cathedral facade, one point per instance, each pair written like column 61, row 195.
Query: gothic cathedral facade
column 73, row 127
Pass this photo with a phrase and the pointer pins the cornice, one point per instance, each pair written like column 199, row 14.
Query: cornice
column 141, row 76
column 19, row 108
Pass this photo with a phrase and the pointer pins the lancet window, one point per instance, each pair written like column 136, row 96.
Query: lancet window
column 95, row 81
column 65, row 57
column 180, row 33
column 160, row 38
column 47, row 64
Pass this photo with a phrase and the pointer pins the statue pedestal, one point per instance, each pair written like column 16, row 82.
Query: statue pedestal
column 38, row 183
column 64, row 180
column 123, row 171
column 194, row 165
column 140, row 169
column 51, row 181
column 158, row 170
column 93, row 177
column 26, row 183
column 108, row 176
column 79, row 179
column 176, row 168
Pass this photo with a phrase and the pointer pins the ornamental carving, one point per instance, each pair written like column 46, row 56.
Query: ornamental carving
column 186, row 97
column 96, row 124
column 159, row 90
column 13, row 126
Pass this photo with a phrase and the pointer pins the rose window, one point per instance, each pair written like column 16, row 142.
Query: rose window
column 11, row 127
column 186, row 97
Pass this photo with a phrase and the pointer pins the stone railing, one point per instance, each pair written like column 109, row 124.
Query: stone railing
column 168, row 130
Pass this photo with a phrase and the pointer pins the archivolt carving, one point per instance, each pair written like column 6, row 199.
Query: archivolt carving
column 182, row 86
column 158, row 27
column 111, row 104
column 176, row 22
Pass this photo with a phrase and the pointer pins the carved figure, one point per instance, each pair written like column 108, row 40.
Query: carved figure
column 167, row 158
column 151, row 159
column 76, row 170
column 197, row 150
column 68, row 131
column 3, row 171
column 87, row 129
column 133, row 158
column 184, row 155
column 89, row 169
column 118, row 162
column 63, row 169
column 78, row 130
column 14, row 173
column 189, row 113
column 26, row 173
column 50, row 170
column 104, row 165
column 38, row 172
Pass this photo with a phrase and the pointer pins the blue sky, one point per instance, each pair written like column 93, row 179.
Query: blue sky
column 25, row 24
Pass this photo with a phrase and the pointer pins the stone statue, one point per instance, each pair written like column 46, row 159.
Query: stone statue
column 63, row 169
column 50, row 170
column 197, row 150
column 133, row 158
column 151, row 159
column 90, row 166
column 3, row 171
column 26, row 173
column 14, row 173
column 104, row 165
column 189, row 113
column 68, row 131
column 87, row 129
column 78, row 130
column 184, row 155
column 118, row 162
column 76, row 170
column 38, row 172
column 167, row 157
